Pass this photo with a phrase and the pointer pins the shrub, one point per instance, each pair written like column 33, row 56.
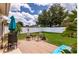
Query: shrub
column 74, row 48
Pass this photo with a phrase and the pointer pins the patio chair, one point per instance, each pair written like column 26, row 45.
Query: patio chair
column 12, row 42
column 28, row 37
column 42, row 36
column 37, row 38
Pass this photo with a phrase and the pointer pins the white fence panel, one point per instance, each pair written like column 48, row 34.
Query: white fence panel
column 41, row 29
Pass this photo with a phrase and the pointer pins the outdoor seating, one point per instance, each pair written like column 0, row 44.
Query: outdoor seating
column 28, row 37
column 37, row 38
column 12, row 42
column 42, row 36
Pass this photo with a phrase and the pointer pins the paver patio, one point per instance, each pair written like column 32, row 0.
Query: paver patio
column 36, row 47
column 33, row 47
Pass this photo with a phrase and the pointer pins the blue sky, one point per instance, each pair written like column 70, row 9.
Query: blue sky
column 28, row 12
column 35, row 8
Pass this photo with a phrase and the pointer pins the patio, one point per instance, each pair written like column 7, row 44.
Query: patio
column 36, row 47
column 33, row 47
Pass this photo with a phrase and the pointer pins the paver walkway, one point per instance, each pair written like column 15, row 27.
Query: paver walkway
column 15, row 51
column 33, row 47
column 36, row 47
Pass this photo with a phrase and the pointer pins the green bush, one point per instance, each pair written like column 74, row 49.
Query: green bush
column 66, row 51
column 72, row 34
column 74, row 48
column 18, row 28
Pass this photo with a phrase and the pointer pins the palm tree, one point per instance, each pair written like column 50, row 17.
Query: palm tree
column 72, row 27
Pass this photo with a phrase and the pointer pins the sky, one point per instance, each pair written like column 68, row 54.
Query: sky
column 28, row 12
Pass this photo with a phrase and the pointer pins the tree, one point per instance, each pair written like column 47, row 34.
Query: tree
column 58, row 14
column 21, row 23
column 18, row 28
column 42, row 19
column 72, row 27
column 71, row 30
column 54, row 16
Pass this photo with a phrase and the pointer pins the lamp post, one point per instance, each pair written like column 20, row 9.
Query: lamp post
column 28, row 30
column 28, row 34
column 39, row 32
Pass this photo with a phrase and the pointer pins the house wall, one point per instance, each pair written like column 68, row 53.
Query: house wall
column 1, row 27
column 4, row 11
column 4, row 8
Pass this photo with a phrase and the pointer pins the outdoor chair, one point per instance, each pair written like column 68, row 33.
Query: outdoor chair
column 28, row 37
column 42, row 36
column 12, row 42
column 37, row 38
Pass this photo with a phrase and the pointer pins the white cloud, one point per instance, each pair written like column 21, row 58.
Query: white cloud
column 28, row 15
column 35, row 18
column 27, row 6
column 40, row 12
column 69, row 6
column 23, row 18
column 43, row 4
column 16, row 6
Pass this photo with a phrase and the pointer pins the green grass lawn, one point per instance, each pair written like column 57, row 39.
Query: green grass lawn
column 23, row 36
column 58, row 39
column 53, row 38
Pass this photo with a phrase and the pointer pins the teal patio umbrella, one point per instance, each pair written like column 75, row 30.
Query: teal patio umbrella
column 12, row 25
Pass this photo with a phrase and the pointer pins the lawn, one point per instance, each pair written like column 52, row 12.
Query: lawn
column 58, row 39
column 53, row 38
column 23, row 36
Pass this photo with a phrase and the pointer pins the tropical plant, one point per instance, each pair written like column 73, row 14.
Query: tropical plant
column 18, row 28
column 72, row 27
column 66, row 51
column 21, row 23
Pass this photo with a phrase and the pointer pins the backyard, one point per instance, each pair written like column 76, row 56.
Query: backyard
column 53, row 38
column 55, row 26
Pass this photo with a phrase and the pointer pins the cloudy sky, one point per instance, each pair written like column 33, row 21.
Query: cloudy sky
column 28, row 12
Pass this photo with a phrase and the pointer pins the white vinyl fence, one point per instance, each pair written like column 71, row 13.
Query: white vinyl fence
column 41, row 29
